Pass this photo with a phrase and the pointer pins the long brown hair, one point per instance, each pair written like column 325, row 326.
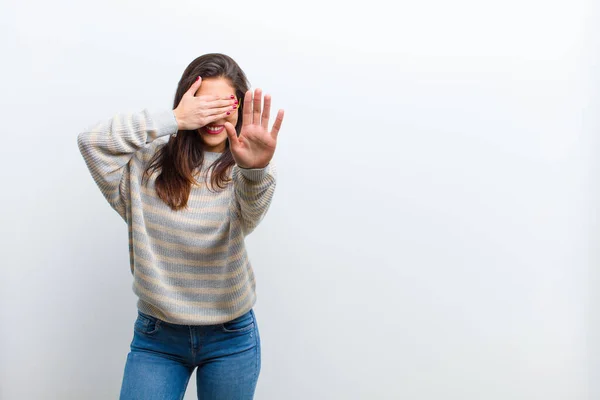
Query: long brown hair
column 184, row 152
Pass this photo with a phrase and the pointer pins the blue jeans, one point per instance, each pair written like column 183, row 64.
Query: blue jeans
column 164, row 355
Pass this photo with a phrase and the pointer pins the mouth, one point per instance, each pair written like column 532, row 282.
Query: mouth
column 214, row 129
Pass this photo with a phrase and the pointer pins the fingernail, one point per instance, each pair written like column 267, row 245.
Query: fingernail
column 228, row 113
column 232, row 96
column 235, row 102
column 197, row 79
column 234, row 107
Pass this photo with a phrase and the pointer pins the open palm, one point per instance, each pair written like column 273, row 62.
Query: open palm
column 255, row 146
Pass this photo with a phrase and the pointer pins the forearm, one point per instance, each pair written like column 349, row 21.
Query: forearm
column 254, row 190
column 109, row 145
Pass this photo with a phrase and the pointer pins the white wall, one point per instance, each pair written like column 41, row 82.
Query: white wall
column 430, row 237
column 592, row 129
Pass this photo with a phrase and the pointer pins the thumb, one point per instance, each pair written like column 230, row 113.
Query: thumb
column 195, row 86
column 232, row 135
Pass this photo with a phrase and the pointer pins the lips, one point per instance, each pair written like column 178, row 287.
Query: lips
column 214, row 129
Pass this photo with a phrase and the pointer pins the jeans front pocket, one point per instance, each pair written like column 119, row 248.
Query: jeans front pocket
column 243, row 323
column 146, row 324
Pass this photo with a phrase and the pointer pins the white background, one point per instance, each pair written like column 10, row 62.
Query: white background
column 433, row 233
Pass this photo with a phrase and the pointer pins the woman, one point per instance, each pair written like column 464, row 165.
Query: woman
column 191, row 183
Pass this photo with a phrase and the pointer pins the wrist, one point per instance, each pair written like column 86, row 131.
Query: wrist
column 255, row 167
column 177, row 119
column 254, row 174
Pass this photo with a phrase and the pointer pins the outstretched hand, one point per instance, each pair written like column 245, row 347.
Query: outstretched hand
column 255, row 146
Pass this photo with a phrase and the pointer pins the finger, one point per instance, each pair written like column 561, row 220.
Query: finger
column 232, row 135
column 228, row 110
column 220, row 103
column 257, row 106
column 277, row 124
column 195, row 86
column 266, row 112
column 210, row 98
column 212, row 118
column 247, row 116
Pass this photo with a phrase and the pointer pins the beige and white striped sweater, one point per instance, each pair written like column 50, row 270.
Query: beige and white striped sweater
column 189, row 266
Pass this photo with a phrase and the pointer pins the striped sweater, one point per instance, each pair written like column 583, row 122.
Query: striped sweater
column 189, row 266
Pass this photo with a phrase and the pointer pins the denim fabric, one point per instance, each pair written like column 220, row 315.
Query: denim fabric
column 164, row 355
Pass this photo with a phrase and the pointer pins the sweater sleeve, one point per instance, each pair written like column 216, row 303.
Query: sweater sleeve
column 254, row 189
column 109, row 145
